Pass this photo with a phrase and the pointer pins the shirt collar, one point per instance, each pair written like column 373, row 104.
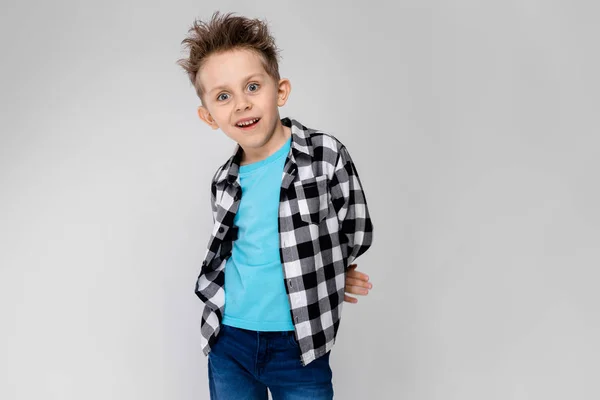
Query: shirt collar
column 301, row 144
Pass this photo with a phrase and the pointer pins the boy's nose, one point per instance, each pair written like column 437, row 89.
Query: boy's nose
column 243, row 105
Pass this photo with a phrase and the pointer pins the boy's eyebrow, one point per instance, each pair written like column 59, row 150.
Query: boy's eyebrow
column 255, row 75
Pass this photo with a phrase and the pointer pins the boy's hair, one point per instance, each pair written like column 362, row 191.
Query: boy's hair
column 228, row 32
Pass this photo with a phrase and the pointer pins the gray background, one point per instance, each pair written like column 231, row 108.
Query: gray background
column 474, row 126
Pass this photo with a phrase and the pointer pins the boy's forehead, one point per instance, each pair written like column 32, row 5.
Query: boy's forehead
column 229, row 68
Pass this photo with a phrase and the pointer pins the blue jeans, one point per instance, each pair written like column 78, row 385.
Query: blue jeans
column 242, row 364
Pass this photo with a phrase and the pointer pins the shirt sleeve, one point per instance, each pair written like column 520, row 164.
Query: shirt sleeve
column 349, row 201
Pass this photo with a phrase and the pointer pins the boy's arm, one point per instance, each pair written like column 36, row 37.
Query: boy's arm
column 350, row 204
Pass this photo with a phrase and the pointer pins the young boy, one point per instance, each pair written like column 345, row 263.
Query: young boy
column 289, row 217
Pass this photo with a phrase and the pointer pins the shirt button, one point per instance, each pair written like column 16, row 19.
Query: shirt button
column 296, row 319
column 290, row 283
column 221, row 229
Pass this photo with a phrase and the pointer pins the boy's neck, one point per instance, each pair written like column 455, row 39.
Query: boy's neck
column 280, row 136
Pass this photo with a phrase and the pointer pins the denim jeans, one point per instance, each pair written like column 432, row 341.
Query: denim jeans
column 242, row 364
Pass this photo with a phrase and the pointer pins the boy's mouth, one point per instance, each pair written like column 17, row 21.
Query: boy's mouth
column 248, row 124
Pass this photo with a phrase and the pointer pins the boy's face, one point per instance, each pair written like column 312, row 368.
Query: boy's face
column 236, row 88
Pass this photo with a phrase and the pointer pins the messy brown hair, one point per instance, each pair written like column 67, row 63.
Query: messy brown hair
column 225, row 32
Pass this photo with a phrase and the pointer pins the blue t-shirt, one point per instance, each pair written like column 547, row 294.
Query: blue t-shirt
column 255, row 295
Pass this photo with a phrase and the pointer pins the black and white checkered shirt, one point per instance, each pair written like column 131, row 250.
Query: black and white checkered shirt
column 324, row 225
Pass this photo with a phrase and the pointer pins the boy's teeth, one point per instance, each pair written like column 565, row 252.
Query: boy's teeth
column 247, row 122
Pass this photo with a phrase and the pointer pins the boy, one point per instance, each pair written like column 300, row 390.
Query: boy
column 289, row 217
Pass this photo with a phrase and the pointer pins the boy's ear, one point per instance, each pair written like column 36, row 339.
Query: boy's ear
column 283, row 91
column 206, row 117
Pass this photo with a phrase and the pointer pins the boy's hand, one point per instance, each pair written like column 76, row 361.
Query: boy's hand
column 356, row 283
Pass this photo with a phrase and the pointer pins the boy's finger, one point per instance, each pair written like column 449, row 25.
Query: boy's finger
column 350, row 299
column 358, row 282
column 357, row 290
column 358, row 275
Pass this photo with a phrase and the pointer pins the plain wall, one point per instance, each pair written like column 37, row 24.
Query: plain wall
column 474, row 127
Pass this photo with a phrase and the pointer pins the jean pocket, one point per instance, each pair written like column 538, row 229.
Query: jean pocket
column 292, row 339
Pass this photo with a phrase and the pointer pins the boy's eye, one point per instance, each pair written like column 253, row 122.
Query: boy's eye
column 253, row 85
column 220, row 97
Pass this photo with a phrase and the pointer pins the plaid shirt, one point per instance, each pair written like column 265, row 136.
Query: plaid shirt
column 324, row 225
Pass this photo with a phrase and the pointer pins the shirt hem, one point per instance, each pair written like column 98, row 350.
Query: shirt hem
column 257, row 326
